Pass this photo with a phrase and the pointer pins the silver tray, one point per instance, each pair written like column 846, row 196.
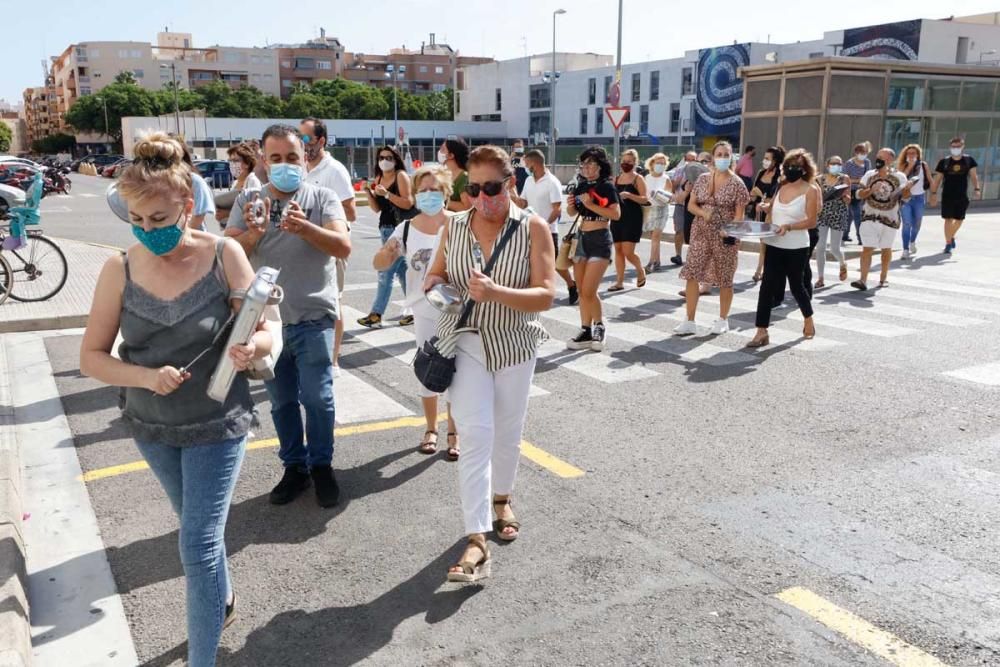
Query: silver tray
column 751, row 229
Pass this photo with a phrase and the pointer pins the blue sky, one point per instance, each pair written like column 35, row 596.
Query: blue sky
column 652, row 28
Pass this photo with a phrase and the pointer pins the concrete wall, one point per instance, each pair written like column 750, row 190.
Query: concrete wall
column 939, row 42
column 226, row 129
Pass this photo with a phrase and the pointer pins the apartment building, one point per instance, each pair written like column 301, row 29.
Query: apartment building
column 316, row 60
column 41, row 118
column 431, row 68
column 13, row 120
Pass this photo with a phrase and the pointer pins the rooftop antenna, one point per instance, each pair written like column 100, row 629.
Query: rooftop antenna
column 524, row 43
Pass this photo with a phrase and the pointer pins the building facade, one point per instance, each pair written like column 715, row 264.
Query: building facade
column 433, row 67
column 695, row 99
column 316, row 60
column 41, row 116
column 828, row 105
column 13, row 120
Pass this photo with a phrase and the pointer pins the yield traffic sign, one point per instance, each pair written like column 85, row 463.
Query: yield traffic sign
column 616, row 115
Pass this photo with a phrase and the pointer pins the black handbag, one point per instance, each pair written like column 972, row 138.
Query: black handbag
column 436, row 369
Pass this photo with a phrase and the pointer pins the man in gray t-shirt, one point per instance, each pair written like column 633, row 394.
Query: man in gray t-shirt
column 303, row 231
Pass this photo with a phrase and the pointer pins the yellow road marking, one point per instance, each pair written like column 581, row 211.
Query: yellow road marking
column 549, row 462
column 530, row 452
column 883, row 644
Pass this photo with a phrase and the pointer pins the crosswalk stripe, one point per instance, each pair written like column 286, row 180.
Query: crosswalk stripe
column 358, row 401
column 391, row 339
column 600, row 367
column 941, row 286
column 87, row 194
column 988, row 374
column 690, row 350
column 777, row 335
column 903, row 295
column 828, row 319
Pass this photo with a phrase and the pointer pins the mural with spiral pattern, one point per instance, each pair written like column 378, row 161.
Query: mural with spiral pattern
column 719, row 97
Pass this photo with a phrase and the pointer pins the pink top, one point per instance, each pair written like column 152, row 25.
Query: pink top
column 744, row 167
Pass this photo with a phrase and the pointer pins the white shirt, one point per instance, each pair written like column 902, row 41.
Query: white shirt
column 419, row 254
column 654, row 183
column 541, row 194
column 331, row 173
column 918, row 189
column 789, row 214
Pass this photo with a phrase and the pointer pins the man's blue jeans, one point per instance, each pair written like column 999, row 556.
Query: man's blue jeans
column 398, row 269
column 912, row 213
column 303, row 378
column 855, row 217
column 199, row 482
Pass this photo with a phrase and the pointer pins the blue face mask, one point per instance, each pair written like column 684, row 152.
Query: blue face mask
column 835, row 169
column 286, row 177
column 160, row 240
column 722, row 163
column 430, row 202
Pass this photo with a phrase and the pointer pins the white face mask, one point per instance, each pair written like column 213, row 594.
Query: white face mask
column 387, row 165
column 442, row 157
column 861, row 157
column 235, row 168
column 659, row 168
column 765, row 163
column 957, row 152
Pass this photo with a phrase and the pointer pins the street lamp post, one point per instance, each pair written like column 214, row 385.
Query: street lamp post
column 394, row 74
column 177, row 107
column 552, row 93
column 104, row 102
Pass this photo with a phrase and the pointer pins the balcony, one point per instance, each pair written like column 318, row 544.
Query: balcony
column 186, row 55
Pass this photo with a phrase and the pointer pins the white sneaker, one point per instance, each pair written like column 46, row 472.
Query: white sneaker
column 686, row 328
column 906, row 255
column 719, row 327
column 913, row 249
column 336, row 371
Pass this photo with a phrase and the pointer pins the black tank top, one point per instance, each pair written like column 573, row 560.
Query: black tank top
column 387, row 210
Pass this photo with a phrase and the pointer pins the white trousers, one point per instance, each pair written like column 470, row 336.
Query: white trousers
column 489, row 410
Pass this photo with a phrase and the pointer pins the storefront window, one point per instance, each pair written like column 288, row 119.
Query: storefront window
column 906, row 94
column 977, row 96
column 902, row 131
column 943, row 95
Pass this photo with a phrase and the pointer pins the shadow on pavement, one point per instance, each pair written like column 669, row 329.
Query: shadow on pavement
column 346, row 635
column 253, row 521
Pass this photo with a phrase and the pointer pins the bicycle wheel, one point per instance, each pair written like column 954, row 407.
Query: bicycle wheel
column 6, row 279
column 40, row 269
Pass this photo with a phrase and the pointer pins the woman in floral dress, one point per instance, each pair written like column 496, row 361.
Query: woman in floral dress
column 718, row 198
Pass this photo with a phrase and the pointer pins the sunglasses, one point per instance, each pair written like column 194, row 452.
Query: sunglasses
column 489, row 188
column 387, row 157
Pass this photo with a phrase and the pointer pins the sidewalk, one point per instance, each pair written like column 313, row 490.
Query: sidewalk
column 68, row 308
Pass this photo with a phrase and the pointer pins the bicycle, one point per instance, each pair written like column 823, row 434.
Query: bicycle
column 37, row 270
column 6, row 279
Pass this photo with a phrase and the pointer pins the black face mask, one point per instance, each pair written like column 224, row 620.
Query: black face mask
column 793, row 174
column 879, row 163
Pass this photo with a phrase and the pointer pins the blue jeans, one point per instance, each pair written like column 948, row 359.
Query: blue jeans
column 855, row 218
column 912, row 213
column 199, row 481
column 303, row 376
column 398, row 269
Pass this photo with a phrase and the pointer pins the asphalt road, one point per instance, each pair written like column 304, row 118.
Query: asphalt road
column 861, row 466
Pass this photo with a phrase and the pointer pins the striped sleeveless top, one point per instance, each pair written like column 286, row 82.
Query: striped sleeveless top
column 509, row 337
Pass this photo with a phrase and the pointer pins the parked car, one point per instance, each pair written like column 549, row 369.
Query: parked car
column 215, row 172
column 114, row 169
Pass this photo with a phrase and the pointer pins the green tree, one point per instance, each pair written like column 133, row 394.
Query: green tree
column 361, row 101
column 439, row 105
column 126, row 76
column 163, row 100
column 6, row 137
column 120, row 99
column 55, row 143
column 310, row 104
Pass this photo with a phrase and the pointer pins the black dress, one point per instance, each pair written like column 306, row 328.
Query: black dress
column 627, row 228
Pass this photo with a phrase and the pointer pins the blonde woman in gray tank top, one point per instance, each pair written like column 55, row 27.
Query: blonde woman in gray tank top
column 170, row 295
column 495, row 355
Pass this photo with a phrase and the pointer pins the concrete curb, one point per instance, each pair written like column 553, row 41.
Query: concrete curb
column 15, row 624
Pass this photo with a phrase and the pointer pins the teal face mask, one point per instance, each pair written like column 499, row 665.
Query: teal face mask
column 430, row 202
column 722, row 163
column 286, row 177
column 160, row 240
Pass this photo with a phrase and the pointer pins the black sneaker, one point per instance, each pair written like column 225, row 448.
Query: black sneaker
column 372, row 321
column 327, row 491
column 292, row 483
column 582, row 341
column 574, row 295
column 676, row 260
column 597, row 338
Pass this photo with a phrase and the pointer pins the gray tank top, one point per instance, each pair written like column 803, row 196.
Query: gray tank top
column 171, row 333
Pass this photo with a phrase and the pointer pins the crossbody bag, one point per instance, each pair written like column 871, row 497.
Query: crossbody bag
column 436, row 369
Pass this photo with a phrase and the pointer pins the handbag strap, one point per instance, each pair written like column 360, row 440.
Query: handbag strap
column 511, row 228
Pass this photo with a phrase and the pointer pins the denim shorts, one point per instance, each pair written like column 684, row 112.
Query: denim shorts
column 593, row 246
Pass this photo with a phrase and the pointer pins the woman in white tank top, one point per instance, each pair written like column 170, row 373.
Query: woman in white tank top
column 794, row 210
